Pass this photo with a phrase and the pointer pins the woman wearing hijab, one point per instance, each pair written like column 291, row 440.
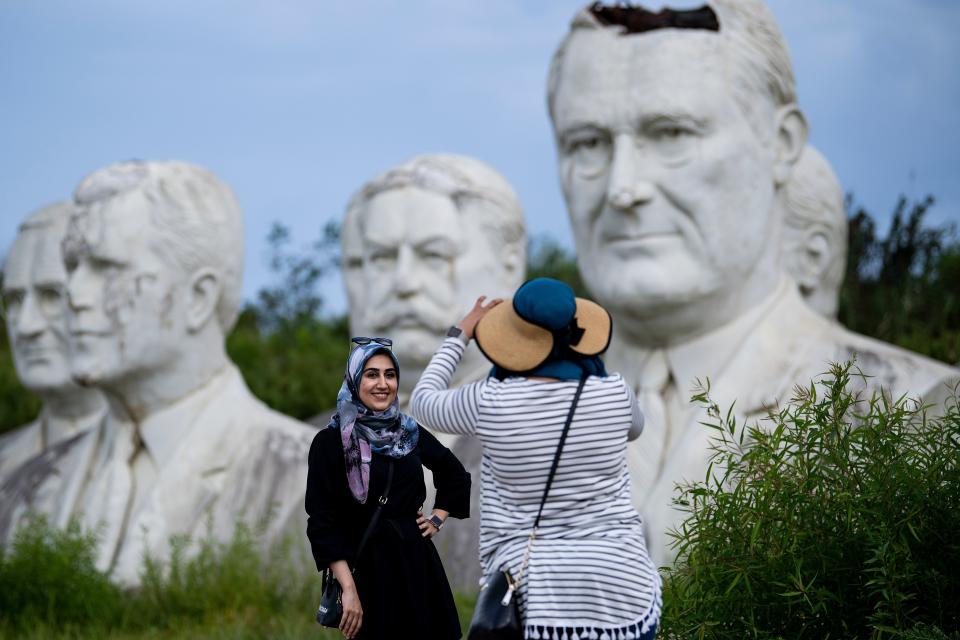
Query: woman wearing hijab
column 397, row 582
column 586, row 572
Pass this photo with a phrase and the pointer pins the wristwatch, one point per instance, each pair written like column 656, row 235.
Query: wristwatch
column 436, row 521
column 454, row 332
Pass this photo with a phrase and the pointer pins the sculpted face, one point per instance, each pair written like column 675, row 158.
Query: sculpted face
column 413, row 240
column 668, row 186
column 125, row 302
column 34, row 302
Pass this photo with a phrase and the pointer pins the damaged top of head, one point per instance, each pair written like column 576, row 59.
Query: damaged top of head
column 636, row 19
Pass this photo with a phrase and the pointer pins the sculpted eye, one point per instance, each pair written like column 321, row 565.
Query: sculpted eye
column 674, row 132
column 383, row 257
column 50, row 294
column 589, row 149
column 674, row 142
column 12, row 300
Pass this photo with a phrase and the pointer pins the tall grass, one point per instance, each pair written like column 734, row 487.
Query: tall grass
column 837, row 517
column 51, row 589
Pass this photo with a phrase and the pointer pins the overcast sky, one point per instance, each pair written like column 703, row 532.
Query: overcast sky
column 296, row 103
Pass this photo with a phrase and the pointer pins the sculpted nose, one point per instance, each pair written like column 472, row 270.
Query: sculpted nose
column 406, row 278
column 30, row 321
column 628, row 186
column 80, row 289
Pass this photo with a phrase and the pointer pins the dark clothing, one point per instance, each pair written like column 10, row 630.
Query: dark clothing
column 399, row 577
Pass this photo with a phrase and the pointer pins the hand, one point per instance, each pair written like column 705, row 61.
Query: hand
column 427, row 530
column 469, row 323
column 352, row 612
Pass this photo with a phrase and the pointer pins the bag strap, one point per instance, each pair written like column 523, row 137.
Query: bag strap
column 376, row 514
column 553, row 471
column 556, row 457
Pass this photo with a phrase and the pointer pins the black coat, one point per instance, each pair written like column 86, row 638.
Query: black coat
column 399, row 577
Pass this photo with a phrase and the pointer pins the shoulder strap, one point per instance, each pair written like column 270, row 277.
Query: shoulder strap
column 556, row 457
column 376, row 514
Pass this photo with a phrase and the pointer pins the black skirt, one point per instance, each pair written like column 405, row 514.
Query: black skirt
column 400, row 580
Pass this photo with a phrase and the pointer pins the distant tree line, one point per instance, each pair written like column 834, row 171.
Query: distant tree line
column 901, row 286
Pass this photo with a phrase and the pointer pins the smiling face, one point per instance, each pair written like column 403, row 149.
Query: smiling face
column 34, row 306
column 669, row 188
column 378, row 383
column 126, row 304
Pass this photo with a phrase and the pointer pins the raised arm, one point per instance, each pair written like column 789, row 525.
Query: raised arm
column 433, row 403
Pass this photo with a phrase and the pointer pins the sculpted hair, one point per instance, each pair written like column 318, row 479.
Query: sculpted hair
column 196, row 221
column 750, row 35
column 813, row 198
column 53, row 217
column 472, row 186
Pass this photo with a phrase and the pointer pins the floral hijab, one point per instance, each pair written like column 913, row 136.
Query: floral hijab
column 363, row 431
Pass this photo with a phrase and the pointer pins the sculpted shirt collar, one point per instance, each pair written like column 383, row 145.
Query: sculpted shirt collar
column 707, row 356
column 164, row 431
column 710, row 354
column 54, row 430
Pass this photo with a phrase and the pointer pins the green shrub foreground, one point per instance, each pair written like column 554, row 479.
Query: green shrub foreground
column 50, row 588
column 837, row 517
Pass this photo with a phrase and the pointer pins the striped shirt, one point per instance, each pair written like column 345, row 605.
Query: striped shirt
column 589, row 572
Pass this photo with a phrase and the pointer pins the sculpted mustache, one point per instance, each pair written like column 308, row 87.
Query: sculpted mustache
column 432, row 319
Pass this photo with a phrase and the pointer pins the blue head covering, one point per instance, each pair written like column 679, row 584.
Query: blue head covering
column 551, row 304
column 363, row 431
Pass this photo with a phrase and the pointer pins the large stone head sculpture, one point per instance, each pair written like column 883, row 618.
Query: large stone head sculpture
column 673, row 147
column 420, row 243
column 35, row 302
column 155, row 255
column 815, row 233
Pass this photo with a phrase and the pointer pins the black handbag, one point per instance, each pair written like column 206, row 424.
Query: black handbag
column 331, row 599
column 497, row 614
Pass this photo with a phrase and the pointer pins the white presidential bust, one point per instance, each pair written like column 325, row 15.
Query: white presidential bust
column 34, row 309
column 815, row 233
column 420, row 242
column 661, row 138
column 675, row 148
column 154, row 253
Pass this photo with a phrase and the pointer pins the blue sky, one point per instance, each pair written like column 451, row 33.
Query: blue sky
column 296, row 103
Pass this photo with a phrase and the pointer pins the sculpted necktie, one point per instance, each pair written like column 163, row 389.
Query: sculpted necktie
column 649, row 451
column 111, row 493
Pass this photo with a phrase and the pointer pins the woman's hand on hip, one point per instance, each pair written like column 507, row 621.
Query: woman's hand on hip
column 469, row 323
column 352, row 618
column 427, row 528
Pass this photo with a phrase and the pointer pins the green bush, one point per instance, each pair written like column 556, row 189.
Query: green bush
column 927, row 632
column 835, row 518
column 48, row 576
column 50, row 588
column 297, row 367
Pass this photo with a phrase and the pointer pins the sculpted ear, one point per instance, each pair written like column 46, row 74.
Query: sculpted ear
column 814, row 259
column 792, row 132
column 512, row 258
column 203, row 296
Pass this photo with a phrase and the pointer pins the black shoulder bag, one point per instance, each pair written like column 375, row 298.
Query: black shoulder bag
column 496, row 616
column 331, row 601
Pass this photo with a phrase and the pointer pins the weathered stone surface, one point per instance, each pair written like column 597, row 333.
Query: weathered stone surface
column 675, row 150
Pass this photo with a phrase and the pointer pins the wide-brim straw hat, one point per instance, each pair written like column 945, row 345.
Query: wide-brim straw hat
column 512, row 335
